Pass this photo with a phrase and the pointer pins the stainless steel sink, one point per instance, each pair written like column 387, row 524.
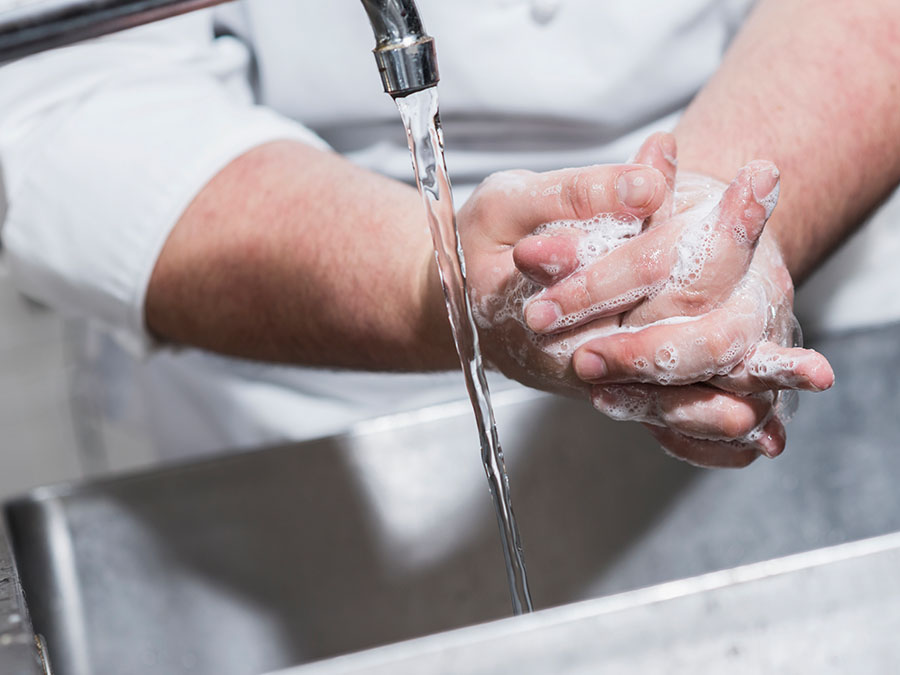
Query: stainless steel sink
column 261, row 561
column 831, row 611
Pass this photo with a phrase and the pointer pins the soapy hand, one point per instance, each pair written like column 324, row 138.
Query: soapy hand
column 511, row 205
column 692, row 318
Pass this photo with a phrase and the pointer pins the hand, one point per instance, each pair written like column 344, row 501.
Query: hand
column 703, row 297
column 511, row 205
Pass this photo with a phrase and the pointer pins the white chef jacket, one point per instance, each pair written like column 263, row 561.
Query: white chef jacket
column 104, row 144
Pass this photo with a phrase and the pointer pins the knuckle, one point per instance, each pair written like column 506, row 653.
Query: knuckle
column 726, row 348
column 677, row 417
column 738, row 421
column 650, row 263
column 582, row 195
column 693, row 302
column 501, row 184
column 575, row 297
column 626, row 350
column 589, row 291
column 510, row 179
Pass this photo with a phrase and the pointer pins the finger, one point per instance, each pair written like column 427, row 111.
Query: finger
column 735, row 226
column 547, row 259
column 617, row 281
column 660, row 152
column 698, row 266
column 522, row 200
column 714, row 253
column 722, row 454
column 771, row 439
column 704, row 454
column 698, row 411
column 557, row 249
column 771, row 366
column 548, row 262
column 673, row 353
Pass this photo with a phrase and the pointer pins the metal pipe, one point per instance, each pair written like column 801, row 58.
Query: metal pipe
column 37, row 25
column 404, row 52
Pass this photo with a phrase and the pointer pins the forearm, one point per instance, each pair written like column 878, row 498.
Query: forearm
column 295, row 255
column 813, row 86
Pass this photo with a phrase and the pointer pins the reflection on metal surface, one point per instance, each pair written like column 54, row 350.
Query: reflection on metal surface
column 262, row 560
column 33, row 27
column 43, row 654
column 404, row 52
column 829, row 611
column 18, row 655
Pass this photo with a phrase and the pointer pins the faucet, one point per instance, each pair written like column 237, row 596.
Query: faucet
column 404, row 53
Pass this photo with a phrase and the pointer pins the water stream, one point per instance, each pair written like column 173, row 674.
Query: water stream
column 423, row 131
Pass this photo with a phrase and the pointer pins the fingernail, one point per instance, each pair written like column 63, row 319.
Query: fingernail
column 821, row 376
column 542, row 315
column 764, row 184
column 590, row 366
column 772, row 441
column 768, row 448
column 668, row 148
column 637, row 188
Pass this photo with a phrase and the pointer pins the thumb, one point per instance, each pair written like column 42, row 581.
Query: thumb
column 522, row 201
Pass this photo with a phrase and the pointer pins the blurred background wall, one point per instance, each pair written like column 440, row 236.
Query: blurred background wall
column 48, row 431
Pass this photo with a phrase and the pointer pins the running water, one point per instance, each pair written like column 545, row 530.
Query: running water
column 423, row 131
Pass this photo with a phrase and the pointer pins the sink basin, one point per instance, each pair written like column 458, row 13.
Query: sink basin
column 260, row 561
column 831, row 611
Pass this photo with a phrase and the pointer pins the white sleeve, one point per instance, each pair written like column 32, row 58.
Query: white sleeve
column 104, row 144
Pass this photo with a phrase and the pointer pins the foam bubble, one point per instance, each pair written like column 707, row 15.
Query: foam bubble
column 553, row 190
column 786, row 403
column 753, row 435
column 695, row 245
column 602, row 233
column 551, row 270
column 770, row 200
column 628, row 404
column 756, row 297
column 511, row 183
column 771, row 365
column 666, row 357
column 611, row 306
column 735, row 350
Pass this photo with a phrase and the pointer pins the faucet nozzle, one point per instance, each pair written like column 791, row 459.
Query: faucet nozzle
column 405, row 54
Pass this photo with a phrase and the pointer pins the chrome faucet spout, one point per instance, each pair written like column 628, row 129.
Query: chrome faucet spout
column 403, row 50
